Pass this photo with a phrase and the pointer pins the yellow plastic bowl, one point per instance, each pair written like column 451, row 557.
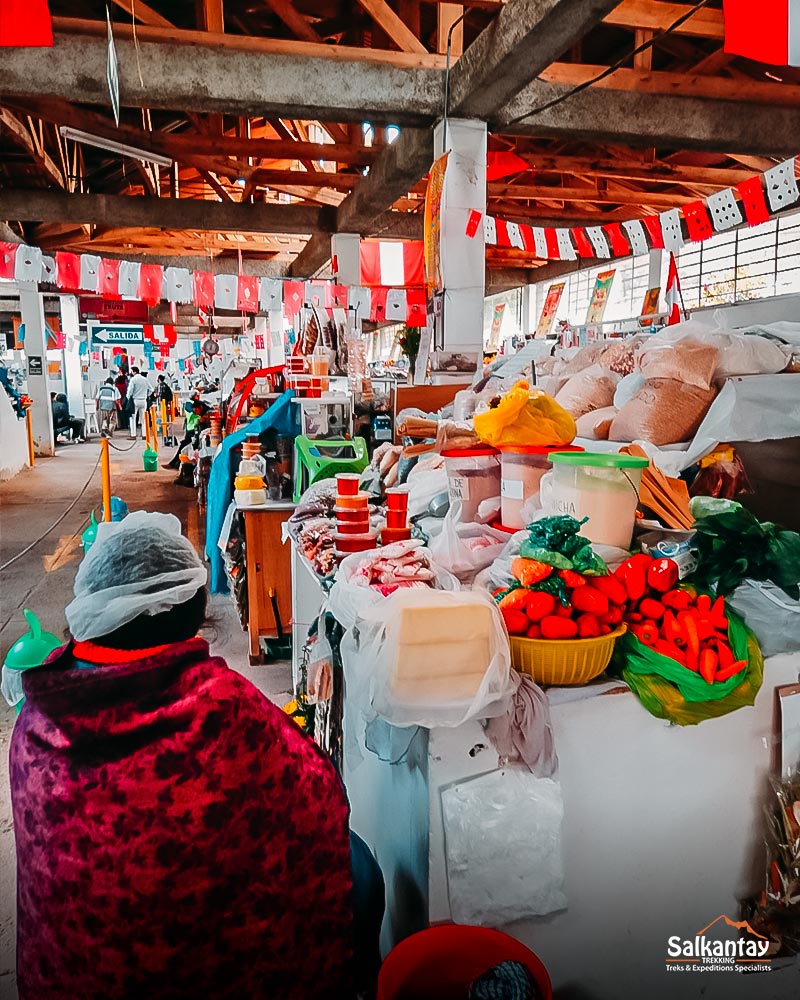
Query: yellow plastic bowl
column 564, row 661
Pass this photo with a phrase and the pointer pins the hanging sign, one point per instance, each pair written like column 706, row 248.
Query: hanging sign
column 549, row 309
column 105, row 334
column 497, row 322
column 112, row 310
column 433, row 226
column 650, row 304
column 602, row 289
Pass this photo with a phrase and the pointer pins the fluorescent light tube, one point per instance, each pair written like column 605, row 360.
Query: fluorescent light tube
column 113, row 147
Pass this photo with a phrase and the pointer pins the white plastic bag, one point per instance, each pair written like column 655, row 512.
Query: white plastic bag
column 504, row 857
column 347, row 599
column 770, row 613
column 466, row 549
column 429, row 658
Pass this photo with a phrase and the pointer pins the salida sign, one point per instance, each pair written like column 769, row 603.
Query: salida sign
column 724, row 945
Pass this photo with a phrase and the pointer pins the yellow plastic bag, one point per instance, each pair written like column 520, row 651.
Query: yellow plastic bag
column 524, row 417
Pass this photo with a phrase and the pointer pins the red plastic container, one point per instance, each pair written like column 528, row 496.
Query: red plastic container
column 345, row 544
column 396, row 518
column 442, row 962
column 397, row 498
column 358, row 501
column 353, row 527
column 351, row 514
column 389, row 535
column 347, row 483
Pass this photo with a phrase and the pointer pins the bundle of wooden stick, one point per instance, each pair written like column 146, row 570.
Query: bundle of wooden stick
column 667, row 498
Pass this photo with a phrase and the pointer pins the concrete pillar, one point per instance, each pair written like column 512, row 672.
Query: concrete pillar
column 526, row 322
column 73, row 377
column 654, row 272
column 32, row 309
column 462, row 257
column 346, row 248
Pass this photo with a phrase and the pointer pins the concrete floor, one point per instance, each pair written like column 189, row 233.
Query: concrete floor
column 42, row 581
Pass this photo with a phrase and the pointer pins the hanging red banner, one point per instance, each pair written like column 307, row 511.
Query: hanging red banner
column 583, row 245
column 652, row 223
column 551, row 239
column 698, row 221
column 755, row 204
column 108, row 282
column 616, row 238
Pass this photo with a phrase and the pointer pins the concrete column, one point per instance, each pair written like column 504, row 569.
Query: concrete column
column 462, row 257
column 654, row 272
column 526, row 324
column 32, row 309
column 73, row 377
column 346, row 248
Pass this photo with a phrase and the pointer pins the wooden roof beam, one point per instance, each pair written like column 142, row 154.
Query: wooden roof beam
column 166, row 213
column 383, row 15
column 293, row 20
column 655, row 82
column 704, row 23
column 143, row 14
column 23, row 137
column 290, row 84
column 252, row 43
column 674, row 121
column 525, row 37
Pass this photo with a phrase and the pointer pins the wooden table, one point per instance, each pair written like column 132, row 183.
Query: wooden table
column 268, row 564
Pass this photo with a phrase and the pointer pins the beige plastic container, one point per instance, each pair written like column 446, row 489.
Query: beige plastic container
column 473, row 475
column 602, row 487
column 521, row 474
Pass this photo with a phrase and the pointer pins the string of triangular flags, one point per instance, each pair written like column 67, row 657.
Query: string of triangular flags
column 760, row 196
column 153, row 283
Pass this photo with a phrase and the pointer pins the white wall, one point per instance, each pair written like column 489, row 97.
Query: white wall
column 14, row 453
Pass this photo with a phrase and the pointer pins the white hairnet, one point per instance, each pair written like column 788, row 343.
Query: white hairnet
column 141, row 565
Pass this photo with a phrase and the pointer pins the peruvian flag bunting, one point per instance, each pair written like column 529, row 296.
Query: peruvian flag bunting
column 528, row 242
column 203, row 286
column 108, row 284
column 698, row 222
column 473, row 221
column 503, row 238
column 582, row 243
column 385, row 263
column 503, row 164
column 616, row 238
column 755, row 206
column 551, row 243
column 416, row 307
column 68, row 271
column 247, row 296
column 767, row 31
column 25, row 24
column 151, row 278
column 673, row 296
column 377, row 312
column 652, row 223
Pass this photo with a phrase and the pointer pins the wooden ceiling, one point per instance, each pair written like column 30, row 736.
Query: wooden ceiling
column 577, row 172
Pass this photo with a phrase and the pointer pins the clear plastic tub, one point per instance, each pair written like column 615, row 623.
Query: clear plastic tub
column 602, row 487
column 473, row 475
column 522, row 469
column 250, row 498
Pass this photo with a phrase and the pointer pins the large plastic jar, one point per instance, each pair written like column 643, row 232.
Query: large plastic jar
column 522, row 469
column 602, row 487
column 473, row 475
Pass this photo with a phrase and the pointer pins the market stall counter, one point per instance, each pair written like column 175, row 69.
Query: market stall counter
column 662, row 833
column 269, row 574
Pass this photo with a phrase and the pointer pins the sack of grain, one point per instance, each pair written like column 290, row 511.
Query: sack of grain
column 663, row 411
column 689, row 360
column 596, row 424
column 590, row 390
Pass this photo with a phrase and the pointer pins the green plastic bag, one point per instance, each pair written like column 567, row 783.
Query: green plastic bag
column 670, row 691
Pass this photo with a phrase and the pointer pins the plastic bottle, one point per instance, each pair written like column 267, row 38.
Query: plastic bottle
column 30, row 650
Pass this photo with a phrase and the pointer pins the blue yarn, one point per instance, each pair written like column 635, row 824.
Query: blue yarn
column 281, row 416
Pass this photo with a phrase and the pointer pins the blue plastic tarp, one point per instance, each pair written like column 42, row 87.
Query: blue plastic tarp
column 281, row 416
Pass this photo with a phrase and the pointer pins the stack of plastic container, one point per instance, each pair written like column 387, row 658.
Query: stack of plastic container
column 353, row 532
column 397, row 529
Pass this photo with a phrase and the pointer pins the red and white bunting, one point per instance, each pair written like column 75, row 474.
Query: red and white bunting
column 392, row 264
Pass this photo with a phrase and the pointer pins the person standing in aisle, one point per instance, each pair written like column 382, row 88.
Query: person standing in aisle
column 121, row 382
column 138, row 390
column 194, row 410
column 107, row 397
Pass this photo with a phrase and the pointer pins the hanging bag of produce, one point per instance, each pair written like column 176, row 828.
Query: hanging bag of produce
column 669, row 690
